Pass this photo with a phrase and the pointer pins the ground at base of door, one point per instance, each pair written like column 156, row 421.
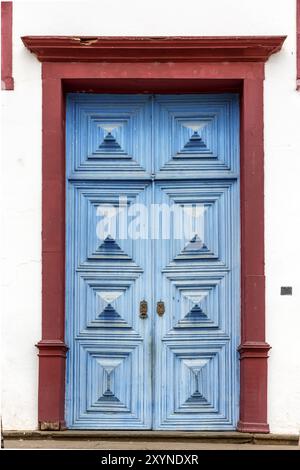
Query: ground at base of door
column 133, row 445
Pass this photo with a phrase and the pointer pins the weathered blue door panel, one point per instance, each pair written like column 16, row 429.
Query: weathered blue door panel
column 152, row 296
column 109, row 361
column 196, row 152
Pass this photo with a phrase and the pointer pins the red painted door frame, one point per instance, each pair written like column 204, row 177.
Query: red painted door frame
column 238, row 71
column 7, row 81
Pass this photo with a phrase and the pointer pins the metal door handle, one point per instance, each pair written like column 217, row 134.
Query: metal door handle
column 160, row 308
column 143, row 309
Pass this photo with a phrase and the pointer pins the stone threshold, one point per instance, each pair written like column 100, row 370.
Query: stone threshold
column 182, row 436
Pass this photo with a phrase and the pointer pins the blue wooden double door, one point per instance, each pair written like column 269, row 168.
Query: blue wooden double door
column 152, row 261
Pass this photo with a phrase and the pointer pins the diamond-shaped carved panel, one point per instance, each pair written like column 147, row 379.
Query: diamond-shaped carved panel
column 107, row 373
column 195, row 133
column 112, row 383
column 193, row 139
column 107, row 300
column 197, row 302
column 194, row 373
column 111, row 140
column 110, row 134
column 196, row 385
column 195, row 229
column 104, row 217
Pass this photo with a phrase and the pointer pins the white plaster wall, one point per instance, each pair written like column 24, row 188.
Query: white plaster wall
column 21, row 174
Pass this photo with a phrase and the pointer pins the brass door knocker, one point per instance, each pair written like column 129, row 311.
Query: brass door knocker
column 160, row 308
column 143, row 309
